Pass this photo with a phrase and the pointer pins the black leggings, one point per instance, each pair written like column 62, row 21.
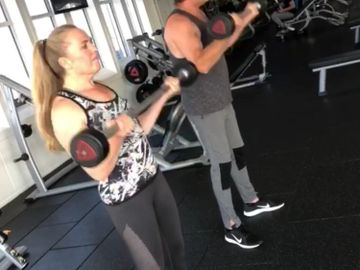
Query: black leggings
column 150, row 226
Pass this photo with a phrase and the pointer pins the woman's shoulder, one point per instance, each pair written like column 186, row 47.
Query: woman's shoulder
column 63, row 106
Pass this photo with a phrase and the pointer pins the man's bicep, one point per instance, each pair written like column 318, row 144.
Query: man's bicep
column 187, row 40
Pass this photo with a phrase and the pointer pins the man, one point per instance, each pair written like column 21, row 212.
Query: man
column 208, row 104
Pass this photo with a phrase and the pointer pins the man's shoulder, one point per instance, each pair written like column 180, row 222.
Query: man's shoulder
column 176, row 18
column 178, row 23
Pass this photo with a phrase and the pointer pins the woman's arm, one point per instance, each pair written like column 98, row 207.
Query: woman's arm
column 63, row 110
column 148, row 118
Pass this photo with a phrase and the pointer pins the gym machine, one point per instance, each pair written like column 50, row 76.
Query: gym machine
column 311, row 10
column 172, row 141
column 238, row 80
column 9, row 103
column 11, row 256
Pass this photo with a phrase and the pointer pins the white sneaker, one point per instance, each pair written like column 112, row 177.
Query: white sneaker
column 261, row 206
column 290, row 28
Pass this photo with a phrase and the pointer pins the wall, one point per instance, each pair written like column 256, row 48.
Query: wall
column 164, row 8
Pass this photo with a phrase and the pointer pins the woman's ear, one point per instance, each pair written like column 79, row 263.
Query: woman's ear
column 64, row 63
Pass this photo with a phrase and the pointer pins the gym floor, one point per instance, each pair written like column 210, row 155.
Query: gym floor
column 301, row 148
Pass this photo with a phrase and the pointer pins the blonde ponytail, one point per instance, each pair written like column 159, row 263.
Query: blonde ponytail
column 47, row 80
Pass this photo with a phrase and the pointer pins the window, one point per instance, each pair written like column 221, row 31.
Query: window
column 36, row 7
column 124, row 24
column 80, row 21
column 133, row 17
column 60, row 19
column 3, row 120
column 21, row 34
column 145, row 22
column 117, row 42
column 11, row 65
column 2, row 16
column 43, row 27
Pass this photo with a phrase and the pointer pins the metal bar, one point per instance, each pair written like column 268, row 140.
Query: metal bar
column 40, row 16
column 4, row 24
column 179, row 138
column 107, row 34
column 59, row 190
column 322, row 83
column 50, row 181
column 16, row 39
column 167, row 166
column 243, row 85
column 120, row 32
column 151, row 52
column 138, row 17
column 16, row 86
column 337, row 65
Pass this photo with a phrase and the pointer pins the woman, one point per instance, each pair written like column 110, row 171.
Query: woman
column 136, row 195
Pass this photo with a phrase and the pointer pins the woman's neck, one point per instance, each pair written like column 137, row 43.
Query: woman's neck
column 78, row 83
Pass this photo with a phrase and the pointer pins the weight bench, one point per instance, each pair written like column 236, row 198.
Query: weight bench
column 238, row 81
column 335, row 61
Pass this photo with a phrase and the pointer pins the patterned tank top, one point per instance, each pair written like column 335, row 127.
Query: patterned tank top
column 136, row 165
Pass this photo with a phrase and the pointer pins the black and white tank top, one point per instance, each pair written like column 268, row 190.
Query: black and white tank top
column 136, row 165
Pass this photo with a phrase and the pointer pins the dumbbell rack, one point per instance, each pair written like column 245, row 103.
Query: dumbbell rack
column 11, row 256
column 145, row 47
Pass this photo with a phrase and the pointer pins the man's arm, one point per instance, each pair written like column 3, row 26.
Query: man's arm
column 184, row 40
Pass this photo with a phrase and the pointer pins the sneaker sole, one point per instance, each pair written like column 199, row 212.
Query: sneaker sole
column 231, row 241
column 263, row 210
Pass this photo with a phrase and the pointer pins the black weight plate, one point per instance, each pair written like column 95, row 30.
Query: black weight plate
column 221, row 26
column 89, row 148
column 136, row 71
column 144, row 91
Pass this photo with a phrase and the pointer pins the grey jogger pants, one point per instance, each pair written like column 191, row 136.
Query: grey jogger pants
column 219, row 133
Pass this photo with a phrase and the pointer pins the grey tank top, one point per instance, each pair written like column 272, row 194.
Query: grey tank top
column 210, row 92
column 136, row 166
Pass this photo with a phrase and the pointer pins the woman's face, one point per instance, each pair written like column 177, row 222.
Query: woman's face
column 80, row 54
